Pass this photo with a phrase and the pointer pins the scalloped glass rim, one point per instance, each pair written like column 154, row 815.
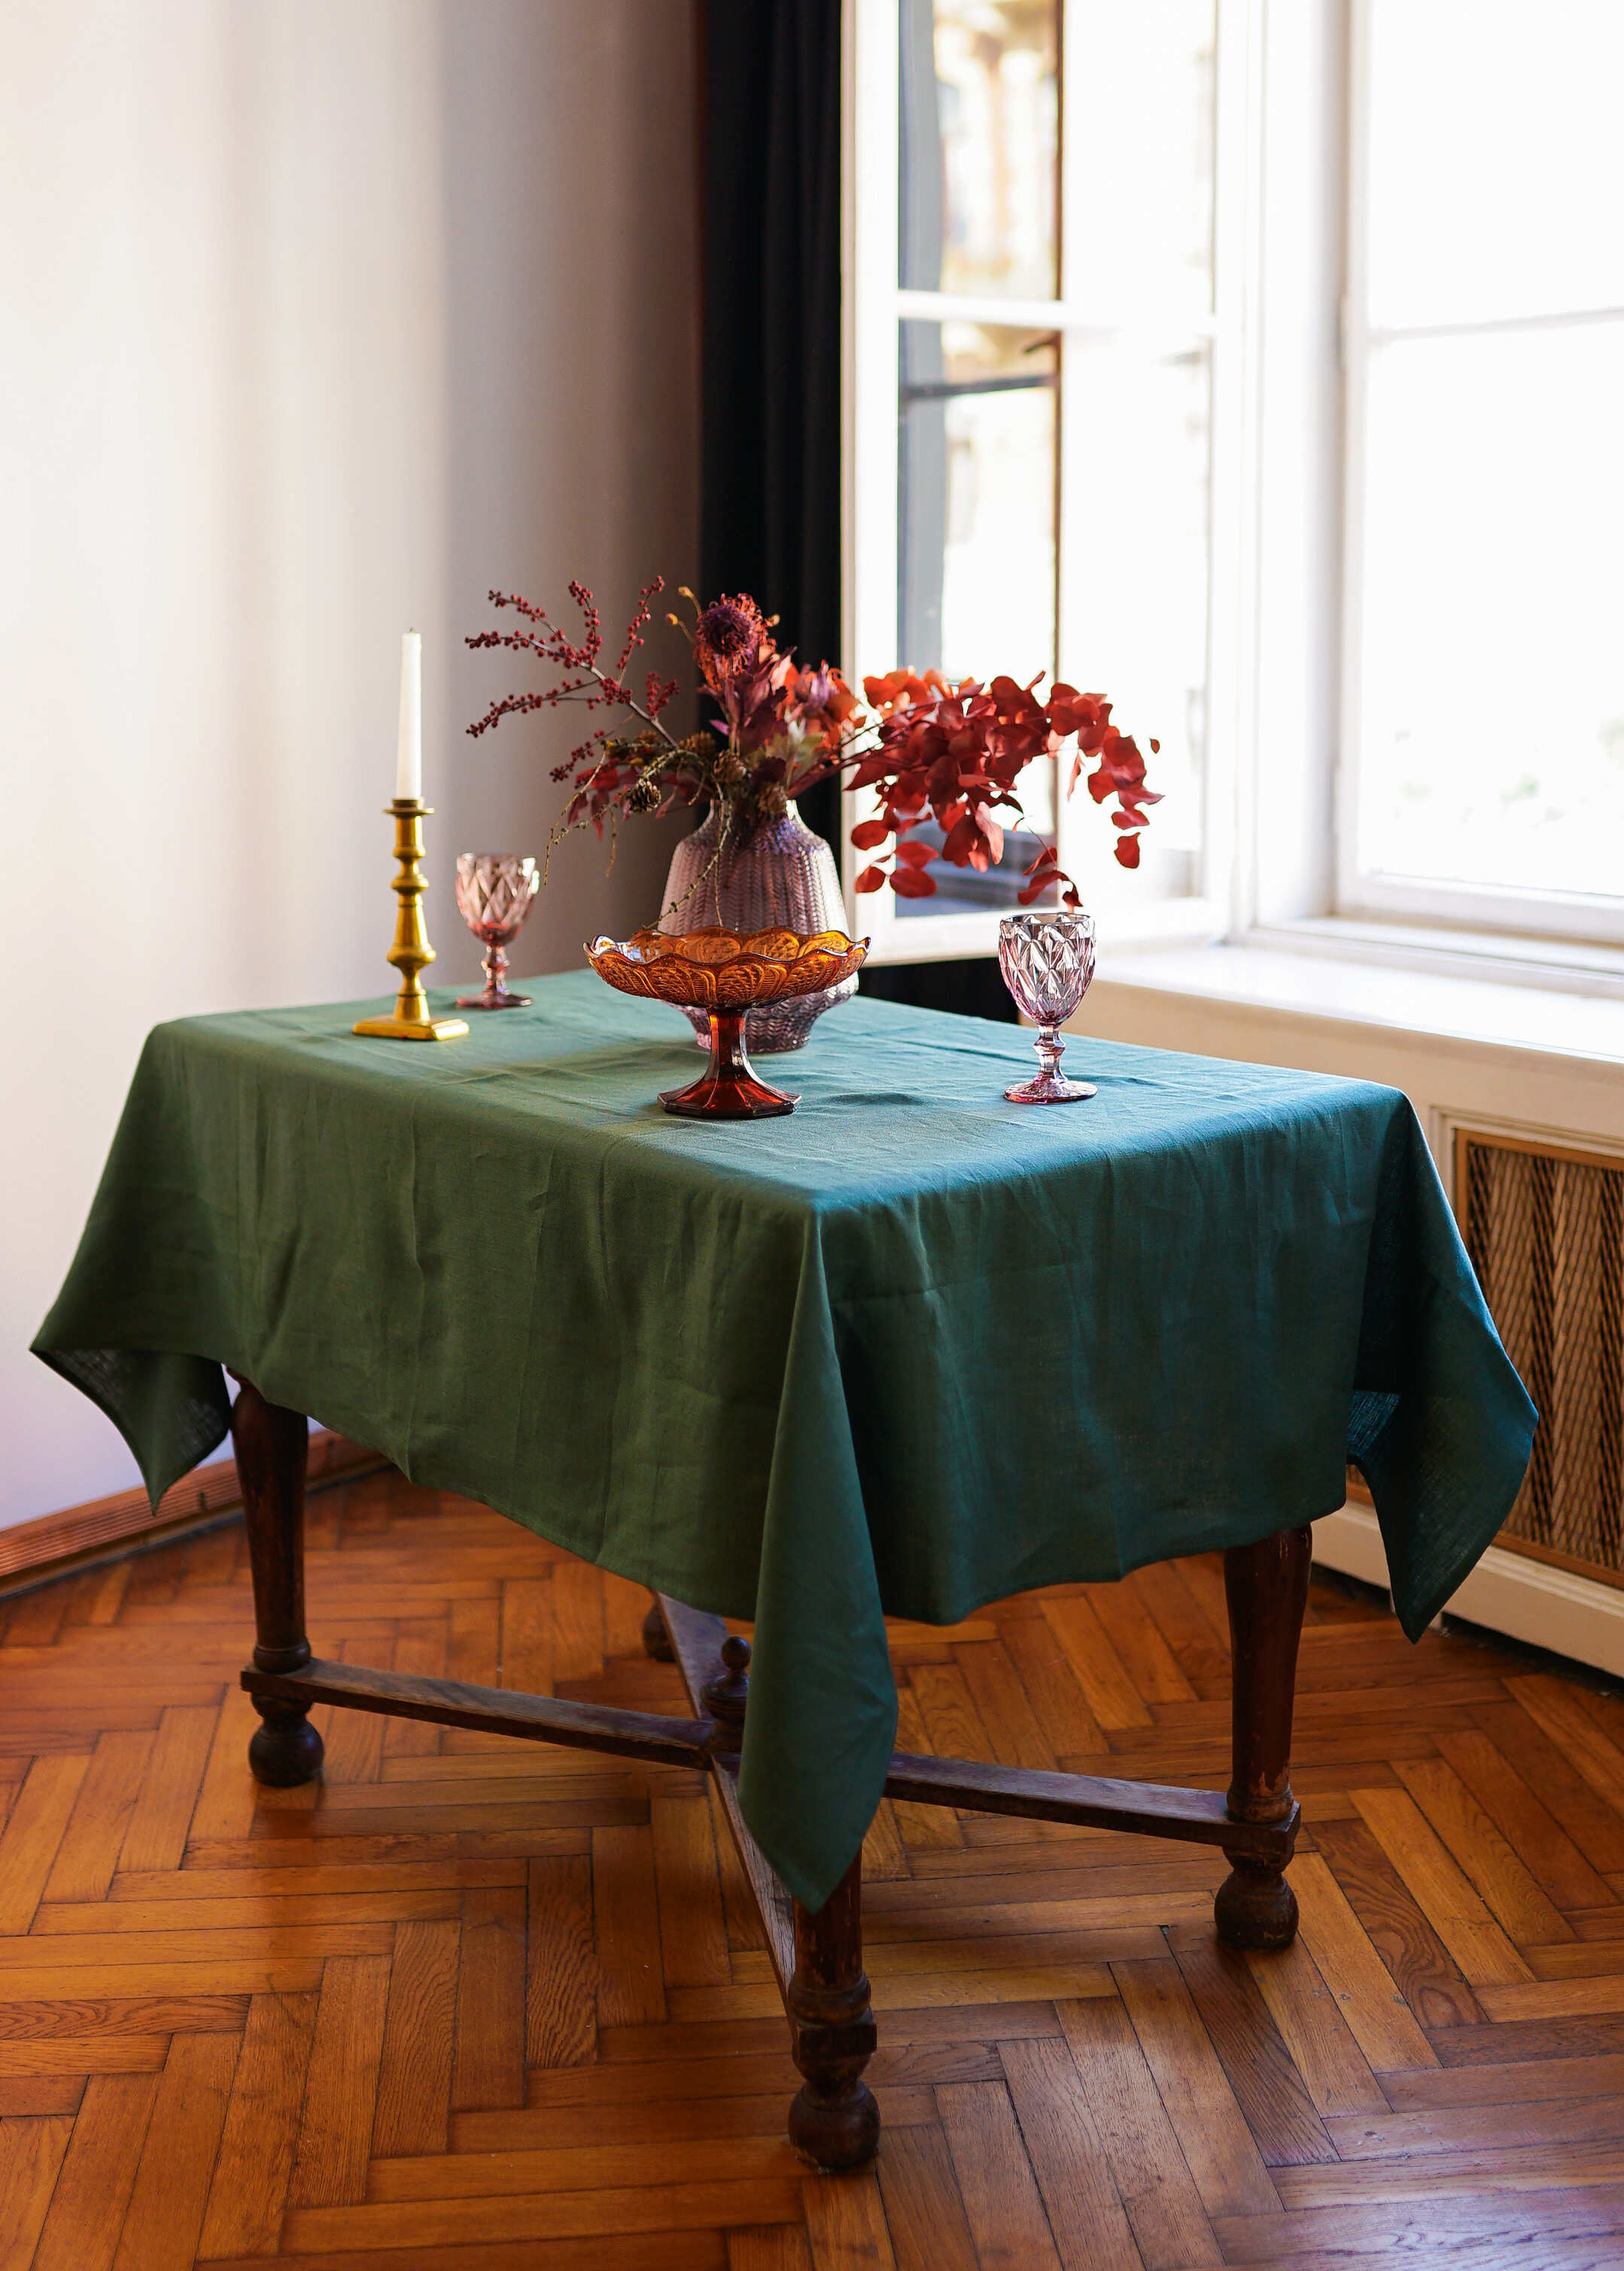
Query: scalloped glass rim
column 718, row 969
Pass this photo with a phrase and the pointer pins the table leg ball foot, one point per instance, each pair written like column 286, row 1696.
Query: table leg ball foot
column 1255, row 1907
column 835, row 2129
column 657, row 1641
column 285, row 1751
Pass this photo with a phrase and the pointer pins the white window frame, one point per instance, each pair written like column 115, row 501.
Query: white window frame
column 1483, row 908
column 873, row 305
column 1279, row 859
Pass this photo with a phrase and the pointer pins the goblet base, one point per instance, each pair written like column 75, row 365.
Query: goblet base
column 1051, row 1088
column 487, row 1001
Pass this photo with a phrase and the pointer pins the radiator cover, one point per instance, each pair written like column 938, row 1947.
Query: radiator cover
column 1544, row 1229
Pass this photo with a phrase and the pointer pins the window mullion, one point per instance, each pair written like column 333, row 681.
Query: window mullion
column 1355, row 345
column 1229, row 792
column 1131, row 326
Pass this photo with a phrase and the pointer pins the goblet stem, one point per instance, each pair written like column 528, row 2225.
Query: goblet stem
column 495, row 995
column 1052, row 1085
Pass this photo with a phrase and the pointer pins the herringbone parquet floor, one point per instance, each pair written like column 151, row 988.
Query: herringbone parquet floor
column 471, row 2003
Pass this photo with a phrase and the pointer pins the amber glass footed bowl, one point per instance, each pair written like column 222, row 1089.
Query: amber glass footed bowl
column 726, row 973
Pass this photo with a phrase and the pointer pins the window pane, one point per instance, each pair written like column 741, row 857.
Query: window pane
column 980, row 126
column 1135, row 622
column 976, row 468
column 1494, row 186
column 1492, row 696
column 1139, row 88
column 976, row 475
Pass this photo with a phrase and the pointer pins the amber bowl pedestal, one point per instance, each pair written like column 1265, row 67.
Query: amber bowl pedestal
column 726, row 973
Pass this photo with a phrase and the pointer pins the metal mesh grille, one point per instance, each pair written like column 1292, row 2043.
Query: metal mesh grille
column 1546, row 1233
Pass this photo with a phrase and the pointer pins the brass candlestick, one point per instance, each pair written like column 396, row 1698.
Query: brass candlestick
column 411, row 951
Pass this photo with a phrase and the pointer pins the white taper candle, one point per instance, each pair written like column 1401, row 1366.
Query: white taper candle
column 409, row 754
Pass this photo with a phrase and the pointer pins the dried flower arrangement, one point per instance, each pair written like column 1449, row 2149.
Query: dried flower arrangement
column 929, row 749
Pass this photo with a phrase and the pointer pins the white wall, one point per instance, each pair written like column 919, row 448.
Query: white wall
column 316, row 318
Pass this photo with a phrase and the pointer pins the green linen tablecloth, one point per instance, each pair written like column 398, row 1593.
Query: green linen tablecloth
column 909, row 1350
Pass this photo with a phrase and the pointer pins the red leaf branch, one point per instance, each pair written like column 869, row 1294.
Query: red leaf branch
column 954, row 754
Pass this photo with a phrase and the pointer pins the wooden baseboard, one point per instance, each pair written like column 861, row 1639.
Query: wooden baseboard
column 1575, row 1564
column 1508, row 1592
column 34, row 1552
column 1554, row 1558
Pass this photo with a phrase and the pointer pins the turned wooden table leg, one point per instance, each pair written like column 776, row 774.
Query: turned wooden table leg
column 833, row 2119
column 1267, row 1589
column 271, row 1446
column 656, row 1639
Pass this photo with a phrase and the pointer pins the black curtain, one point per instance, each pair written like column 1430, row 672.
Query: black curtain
column 770, row 497
column 770, row 515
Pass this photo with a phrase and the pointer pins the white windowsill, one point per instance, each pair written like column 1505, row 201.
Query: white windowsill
column 1558, row 965
column 1320, row 982
column 1152, row 923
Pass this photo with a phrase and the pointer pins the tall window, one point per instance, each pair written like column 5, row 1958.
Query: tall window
column 1485, row 665
column 1037, row 325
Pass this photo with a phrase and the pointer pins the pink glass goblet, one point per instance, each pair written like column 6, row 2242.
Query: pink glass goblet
column 1047, row 961
column 494, row 894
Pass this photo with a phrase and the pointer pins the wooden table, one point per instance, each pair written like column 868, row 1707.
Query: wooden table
column 817, row 1956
